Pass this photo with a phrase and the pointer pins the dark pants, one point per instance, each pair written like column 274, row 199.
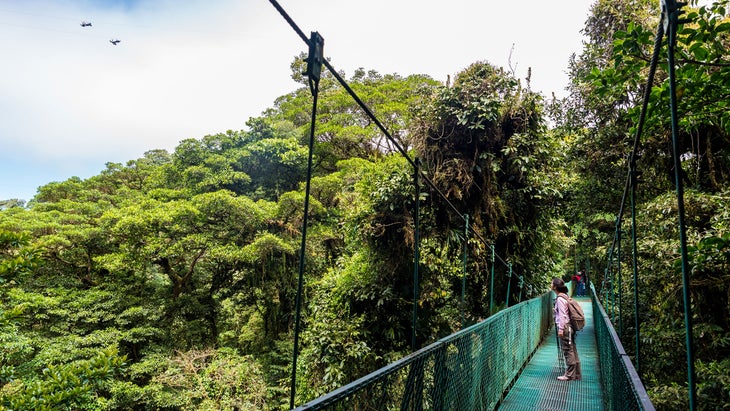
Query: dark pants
column 570, row 352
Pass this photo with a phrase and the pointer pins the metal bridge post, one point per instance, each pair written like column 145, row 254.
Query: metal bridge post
column 491, row 286
column 314, row 67
column 509, row 283
column 635, row 259
column 671, row 22
column 610, row 286
column 620, row 286
column 463, row 277
column 417, row 249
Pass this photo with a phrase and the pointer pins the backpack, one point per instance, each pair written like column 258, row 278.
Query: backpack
column 575, row 312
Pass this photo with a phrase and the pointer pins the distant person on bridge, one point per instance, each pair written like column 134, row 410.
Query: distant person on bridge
column 566, row 335
column 579, row 283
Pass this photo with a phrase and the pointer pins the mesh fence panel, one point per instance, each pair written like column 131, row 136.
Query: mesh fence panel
column 468, row 370
column 621, row 384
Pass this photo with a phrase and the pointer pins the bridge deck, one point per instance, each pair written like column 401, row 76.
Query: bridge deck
column 537, row 387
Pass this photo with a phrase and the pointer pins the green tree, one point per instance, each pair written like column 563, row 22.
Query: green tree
column 343, row 130
column 603, row 110
column 484, row 143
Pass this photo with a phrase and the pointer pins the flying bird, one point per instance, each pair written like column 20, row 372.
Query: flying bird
column 85, row 24
column 114, row 41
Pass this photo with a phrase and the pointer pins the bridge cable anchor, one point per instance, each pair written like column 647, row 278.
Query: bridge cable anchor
column 315, row 58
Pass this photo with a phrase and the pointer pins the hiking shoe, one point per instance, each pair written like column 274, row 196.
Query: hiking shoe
column 563, row 378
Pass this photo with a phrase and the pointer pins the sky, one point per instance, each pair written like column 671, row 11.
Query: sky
column 71, row 101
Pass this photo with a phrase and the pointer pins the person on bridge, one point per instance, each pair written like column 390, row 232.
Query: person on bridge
column 566, row 334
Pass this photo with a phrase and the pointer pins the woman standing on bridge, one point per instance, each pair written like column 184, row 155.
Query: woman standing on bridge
column 566, row 334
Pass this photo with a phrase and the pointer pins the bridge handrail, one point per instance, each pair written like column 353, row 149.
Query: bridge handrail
column 621, row 382
column 474, row 367
column 470, row 369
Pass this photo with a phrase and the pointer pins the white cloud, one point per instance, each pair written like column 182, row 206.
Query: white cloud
column 71, row 101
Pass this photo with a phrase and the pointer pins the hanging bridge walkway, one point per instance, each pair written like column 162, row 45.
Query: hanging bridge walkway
column 508, row 362
column 538, row 388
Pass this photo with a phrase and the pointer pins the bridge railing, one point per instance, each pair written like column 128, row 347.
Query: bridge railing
column 473, row 368
column 468, row 370
column 621, row 384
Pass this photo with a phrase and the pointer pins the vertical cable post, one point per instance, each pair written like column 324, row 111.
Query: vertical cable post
column 607, row 280
column 611, row 287
column 464, row 260
column 635, row 259
column 314, row 66
column 509, row 283
column 522, row 283
column 671, row 22
column 416, row 246
column 620, row 284
column 491, row 286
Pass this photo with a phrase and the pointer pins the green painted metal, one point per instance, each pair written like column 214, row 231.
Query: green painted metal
column 620, row 286
column 468, row 370
column 621, row 384
column 611, row 287
column 314, row 84
column 635, row 267
column 672, row 8
column 633, row 181
column 506, row 362
column 463, row 277
column 509, row 283
column 417, row 249
column 491, row 284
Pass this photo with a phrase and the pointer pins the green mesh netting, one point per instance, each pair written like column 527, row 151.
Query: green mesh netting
column 473, row 369
column 468, row 370
column 621, row 384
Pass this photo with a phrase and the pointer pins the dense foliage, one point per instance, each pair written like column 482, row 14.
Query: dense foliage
column 169, row 282
column 608, row 84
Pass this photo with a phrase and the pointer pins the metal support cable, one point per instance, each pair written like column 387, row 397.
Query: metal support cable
column 416, row 240
column 642, row 118
column 620, row 288
column 631, row 180
column 314, row 85
column 509, row 283
column 289, row 20
column 611, row 286
column 464, row 261
column 633, row 183
column 491, row 286
column 672, row 22
column 377, row 122
column 635, row 258
column 395, row 143
column 669, row 23
column 400, row 149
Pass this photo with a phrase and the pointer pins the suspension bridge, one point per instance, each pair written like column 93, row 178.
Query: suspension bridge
column 510, row 361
